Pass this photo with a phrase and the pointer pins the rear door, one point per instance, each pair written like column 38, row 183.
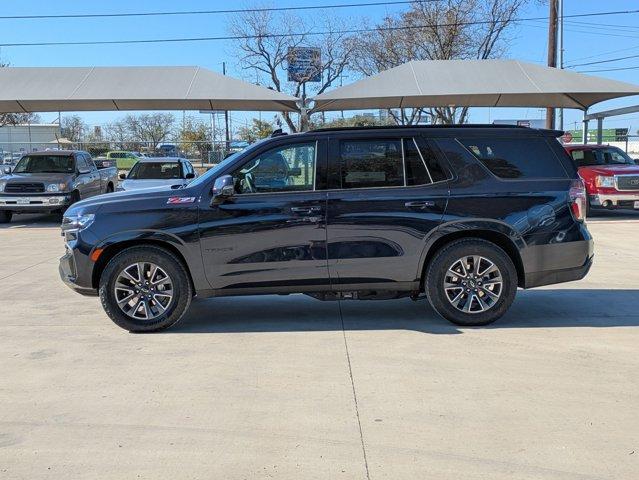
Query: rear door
column 386, row 194
column 271, row 235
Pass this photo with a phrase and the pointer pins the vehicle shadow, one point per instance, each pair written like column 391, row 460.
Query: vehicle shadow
column 35, row 220
column 545, row 308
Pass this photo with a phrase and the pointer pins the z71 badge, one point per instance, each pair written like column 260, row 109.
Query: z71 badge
column 180, row 200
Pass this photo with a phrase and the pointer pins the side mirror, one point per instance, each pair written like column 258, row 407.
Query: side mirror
column 189, row 176
column 7, row 170
column 122, row 176
column 84, row 170
column 637, row 161
column 223, row 188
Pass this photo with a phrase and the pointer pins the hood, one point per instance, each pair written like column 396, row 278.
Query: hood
column 133, row 184
column 92, row 204
column 39, row 177
column 613, row 169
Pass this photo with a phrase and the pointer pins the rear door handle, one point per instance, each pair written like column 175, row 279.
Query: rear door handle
column 306, row 210
column 420, row 204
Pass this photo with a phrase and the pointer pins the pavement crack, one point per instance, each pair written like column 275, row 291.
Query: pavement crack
column 27, row 268
column 350, row 373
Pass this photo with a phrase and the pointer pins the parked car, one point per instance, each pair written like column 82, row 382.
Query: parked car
column 124, row 160
column 611, row 177
column 158, row 172
column 51, row 181
column 462, row 214
column 168, row 150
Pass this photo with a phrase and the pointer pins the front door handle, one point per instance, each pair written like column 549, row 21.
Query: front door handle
column 306, row 210
column 420, row 204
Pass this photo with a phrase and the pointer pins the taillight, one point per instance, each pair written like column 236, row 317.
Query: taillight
column 578, row 198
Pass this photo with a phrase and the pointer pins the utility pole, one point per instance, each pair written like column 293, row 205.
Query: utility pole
column 552, row 53
column 226, row 118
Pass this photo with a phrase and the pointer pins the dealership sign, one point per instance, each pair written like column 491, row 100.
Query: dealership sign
column 304, row 64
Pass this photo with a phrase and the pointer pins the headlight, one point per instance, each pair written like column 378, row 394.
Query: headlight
column 77, row 223
column 56, row 187
column 606, row 182
column 3, row 184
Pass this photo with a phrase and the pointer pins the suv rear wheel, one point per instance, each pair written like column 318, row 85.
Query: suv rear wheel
column 471, row 282
column 145, row 289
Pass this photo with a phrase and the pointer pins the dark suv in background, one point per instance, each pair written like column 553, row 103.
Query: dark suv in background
column 462, row 214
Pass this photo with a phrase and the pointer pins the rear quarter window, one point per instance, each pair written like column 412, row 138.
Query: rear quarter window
column 516, row 158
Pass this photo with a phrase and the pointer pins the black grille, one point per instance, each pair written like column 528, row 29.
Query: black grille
column 628, row 182
column 24, row 188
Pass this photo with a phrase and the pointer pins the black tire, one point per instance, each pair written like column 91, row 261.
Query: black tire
column 447, row 256
column 182, row 290
column 5, row 216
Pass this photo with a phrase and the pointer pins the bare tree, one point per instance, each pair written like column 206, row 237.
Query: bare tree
column 267, row 37
column 154, row 128
column 446, row 30
column 73, row 128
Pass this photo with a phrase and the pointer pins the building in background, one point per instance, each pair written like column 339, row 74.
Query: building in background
column 28, row 138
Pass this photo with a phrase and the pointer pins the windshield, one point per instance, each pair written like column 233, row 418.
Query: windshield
column 45, row 164
column 601, row 156
column 155, row 171
column 223, row 164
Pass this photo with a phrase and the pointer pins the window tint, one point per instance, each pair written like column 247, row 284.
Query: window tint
column 283, row 169
column 81, row 162
column 371, row 163
column 516, row 158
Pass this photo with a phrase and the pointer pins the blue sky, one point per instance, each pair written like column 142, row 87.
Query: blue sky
column 596, row 37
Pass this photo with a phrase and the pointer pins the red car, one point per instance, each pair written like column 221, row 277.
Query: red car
column 610, row 175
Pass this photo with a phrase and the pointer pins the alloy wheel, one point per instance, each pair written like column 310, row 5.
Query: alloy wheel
column 473, row 284
column 143, row 291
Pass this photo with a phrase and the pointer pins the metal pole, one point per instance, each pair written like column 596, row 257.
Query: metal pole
column 226, row 117
column 599, row 130
column 561, row 55
column 552, row 54
column 584, row 129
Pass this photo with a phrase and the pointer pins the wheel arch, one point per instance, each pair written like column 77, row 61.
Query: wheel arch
column 113, row 247
column 500, row 234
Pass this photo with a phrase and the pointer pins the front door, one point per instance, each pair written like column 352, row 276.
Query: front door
column 271, row 235
column 387, row 195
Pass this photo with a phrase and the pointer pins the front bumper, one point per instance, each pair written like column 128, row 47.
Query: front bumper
column 34, row 203
column 71, row 269
column 617, row 199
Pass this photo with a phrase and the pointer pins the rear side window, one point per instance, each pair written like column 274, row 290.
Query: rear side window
column 371, row 163
column 511, row 158
column 388, row 162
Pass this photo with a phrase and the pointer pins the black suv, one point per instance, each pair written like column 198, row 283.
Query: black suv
column 462, row 214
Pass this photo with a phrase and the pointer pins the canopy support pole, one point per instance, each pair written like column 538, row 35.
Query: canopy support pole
column 599, row 130
column 584, row 129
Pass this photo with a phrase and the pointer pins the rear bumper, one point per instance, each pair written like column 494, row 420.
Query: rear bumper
column 557, row 262
column 34, row 203
column 611, row 200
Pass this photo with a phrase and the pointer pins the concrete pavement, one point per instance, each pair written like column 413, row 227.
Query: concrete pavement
column 290, row 387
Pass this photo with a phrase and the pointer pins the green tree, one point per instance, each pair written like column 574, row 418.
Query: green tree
column 195, row 135
column 257, row 130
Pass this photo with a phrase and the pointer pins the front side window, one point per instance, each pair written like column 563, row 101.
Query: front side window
column 516, row 158
column 45, row 164
column 288, row 168
column 155, row 171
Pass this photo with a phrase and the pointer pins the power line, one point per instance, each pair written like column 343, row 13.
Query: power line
column 210, row 12
column 607, row 52
column 609, row 60
column 609, row 69
column 281, row 35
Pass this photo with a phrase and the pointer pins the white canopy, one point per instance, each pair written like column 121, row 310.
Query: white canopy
column 53, row 89
column 477, row 83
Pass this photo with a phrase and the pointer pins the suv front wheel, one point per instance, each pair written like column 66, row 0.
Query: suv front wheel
column 145, row 289
column 471, row 282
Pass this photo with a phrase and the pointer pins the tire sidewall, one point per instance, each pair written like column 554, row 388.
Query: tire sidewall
column 444, row 258
column 165, row 260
